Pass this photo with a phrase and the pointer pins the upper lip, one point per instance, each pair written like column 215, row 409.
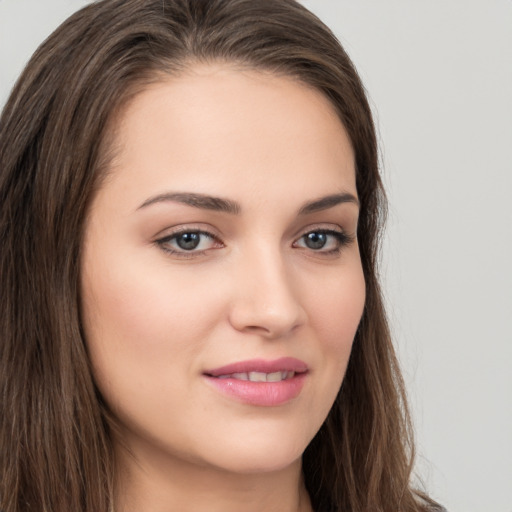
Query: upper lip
column 288, row 364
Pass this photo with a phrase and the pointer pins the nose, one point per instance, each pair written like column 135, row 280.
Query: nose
column 265, row 301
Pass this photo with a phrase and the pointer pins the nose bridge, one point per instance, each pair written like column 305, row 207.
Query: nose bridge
column 266, row 300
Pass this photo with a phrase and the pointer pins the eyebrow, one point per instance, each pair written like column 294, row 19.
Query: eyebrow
column 324, row 203
column 206, row 202
column 197, row 201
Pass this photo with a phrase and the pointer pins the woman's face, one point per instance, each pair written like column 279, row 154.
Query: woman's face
column 219, row 253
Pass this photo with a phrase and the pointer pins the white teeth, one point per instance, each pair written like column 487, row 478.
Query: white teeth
column 257, row 377
column 260, row 376
column 276, row 376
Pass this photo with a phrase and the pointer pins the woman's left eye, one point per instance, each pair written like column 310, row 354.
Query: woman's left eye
column 187, row 242
column 323, row 240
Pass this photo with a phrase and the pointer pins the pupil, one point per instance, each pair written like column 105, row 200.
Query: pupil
column 188, row 241
column 316, row 240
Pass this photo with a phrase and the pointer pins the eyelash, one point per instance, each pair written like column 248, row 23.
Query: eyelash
column 342, row 240
column 163, row 243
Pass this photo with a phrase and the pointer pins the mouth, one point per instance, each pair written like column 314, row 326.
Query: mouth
column 259, row 376
column 259, row 370
column 260, row 382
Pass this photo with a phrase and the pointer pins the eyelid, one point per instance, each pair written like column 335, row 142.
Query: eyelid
column 193, row 227
column 324, row 227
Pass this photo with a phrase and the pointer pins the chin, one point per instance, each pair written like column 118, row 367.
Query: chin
column 258, row 454
column 249, row 463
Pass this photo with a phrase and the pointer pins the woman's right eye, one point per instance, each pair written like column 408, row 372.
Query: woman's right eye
column 188, row 242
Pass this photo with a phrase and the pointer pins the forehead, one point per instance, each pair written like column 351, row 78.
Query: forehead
column 243, row 127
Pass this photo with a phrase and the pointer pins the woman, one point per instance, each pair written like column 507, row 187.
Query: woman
column 191, row 317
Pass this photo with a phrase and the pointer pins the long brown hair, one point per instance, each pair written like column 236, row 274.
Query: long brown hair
column 55, row 431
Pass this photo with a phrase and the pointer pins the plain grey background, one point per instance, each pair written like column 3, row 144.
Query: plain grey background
column 439, row 75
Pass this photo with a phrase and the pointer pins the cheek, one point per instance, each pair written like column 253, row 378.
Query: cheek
column 143, row 324
column 334, row 316
column 336, row 310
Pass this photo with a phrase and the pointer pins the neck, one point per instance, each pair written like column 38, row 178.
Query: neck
column 165, row 484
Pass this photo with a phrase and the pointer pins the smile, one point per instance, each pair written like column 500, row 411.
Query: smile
column 259, row 376
column 260, row 382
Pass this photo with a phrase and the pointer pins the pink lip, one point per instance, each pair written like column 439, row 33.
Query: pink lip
column 284, row 364
column 266, row 394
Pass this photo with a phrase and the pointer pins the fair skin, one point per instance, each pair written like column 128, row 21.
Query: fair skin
column 175, row 285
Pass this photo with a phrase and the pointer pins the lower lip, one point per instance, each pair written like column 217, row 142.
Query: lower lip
column 266, row 394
